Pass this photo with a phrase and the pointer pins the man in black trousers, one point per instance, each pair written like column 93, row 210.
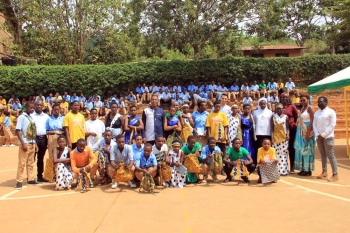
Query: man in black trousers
column 40, row 119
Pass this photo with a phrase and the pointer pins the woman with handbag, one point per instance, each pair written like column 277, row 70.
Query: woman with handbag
column 305, row 142
column 114, row 121
column 133, row 125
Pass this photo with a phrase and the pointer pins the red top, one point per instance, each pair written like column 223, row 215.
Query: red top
column 291, row 111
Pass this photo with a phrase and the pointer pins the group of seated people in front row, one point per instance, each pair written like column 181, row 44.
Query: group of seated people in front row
column 106, row 156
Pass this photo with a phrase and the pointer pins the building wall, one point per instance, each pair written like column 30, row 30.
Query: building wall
column 272, row 53
column 6, row 39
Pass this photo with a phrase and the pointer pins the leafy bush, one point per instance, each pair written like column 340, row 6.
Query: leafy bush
column 107, row 79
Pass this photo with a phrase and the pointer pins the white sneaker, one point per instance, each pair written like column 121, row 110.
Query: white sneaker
column 131, row 183
column 4, row 145
column 114, row 185
column 205, row 179
column 12, row 145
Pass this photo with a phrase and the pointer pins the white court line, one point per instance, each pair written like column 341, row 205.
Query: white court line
column 315, row 191
column 11, row 193
column 30, row 197
column 8, row 170
column 315, row 182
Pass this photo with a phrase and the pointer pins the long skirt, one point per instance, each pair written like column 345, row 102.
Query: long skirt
column 177, row 179
column 304, row 151
column 64, row 176
column 282, row 156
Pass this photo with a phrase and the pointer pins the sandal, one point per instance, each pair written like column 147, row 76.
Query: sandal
column 259, row 181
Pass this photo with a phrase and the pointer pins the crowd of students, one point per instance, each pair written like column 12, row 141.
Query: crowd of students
column 275, row 137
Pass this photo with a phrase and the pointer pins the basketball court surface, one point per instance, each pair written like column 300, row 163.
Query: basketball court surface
column 294, row 204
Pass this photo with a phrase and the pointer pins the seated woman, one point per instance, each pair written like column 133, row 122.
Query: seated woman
column 61, row 161
column 192, row 147
column 133, row 125
column 267, row 160
column 176, row 157
column 237, row 155
column 207, row 154
column 172, row 123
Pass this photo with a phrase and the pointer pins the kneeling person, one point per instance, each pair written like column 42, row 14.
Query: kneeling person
column 121, row 153
column 147, row 163
column 235, row 156
column 82, row 157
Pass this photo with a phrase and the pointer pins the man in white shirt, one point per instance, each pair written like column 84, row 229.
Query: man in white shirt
column 224, row 107
column 290, row 86
column 165, row 98
column 247, row 99
column 185, row 97
column 244, row 89
column 177, row 87
column 40, row 119
column 323, row 125
column 254, row 90
column 94, row 128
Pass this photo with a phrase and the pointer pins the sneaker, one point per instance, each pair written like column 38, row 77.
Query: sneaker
column 133, row 185
column 205, row 179
column 323, row 176
column 291, row 171
column 165, row 184
column 19, row 186
column 42, row 179
column 227, row 180
column 333, row 178
column 91, row 185
column 11, row 145
column 245, row 179
column 33, row 182
column 114, row 185
column 215, row 179
column 4, row 145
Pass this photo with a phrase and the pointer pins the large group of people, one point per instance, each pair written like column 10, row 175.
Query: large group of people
column 276, row 137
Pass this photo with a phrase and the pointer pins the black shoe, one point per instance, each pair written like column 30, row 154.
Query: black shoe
column 42, row 179
column 33, row 182
column 245, row 179
column 19, row 186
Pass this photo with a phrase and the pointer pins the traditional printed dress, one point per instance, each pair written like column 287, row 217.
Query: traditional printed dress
column 304, row 150
column 177, row 179
column 63, row 172
column 234, row 128
column 280, row 143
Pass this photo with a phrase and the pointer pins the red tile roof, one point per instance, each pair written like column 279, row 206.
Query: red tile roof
column 270, row 47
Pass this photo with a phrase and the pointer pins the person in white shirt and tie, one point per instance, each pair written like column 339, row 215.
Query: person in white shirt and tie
column 324, row 123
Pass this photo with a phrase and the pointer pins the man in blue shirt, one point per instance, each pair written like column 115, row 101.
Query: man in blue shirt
column 82, row 100
column 234, row 91
column 131, row 99
column 74, row 97
column 146, row 164
column 54, row 128
column 66, row 96
column 272, row 86
column 139, row 93
column 206, row 155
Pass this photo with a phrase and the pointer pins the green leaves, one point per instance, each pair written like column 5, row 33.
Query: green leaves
column 107, row 79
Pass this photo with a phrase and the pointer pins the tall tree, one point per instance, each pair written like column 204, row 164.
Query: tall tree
column 194, row 22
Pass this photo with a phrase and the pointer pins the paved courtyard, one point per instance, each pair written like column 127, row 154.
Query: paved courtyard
column 294, row 204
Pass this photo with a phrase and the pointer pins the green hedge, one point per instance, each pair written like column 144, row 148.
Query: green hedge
column 106, row 79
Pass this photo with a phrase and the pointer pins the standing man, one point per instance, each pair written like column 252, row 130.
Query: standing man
column 40, row 120
column 94, row 128
column 74, row 123
column 26, row 133
column 153, row 119
column 323, row 126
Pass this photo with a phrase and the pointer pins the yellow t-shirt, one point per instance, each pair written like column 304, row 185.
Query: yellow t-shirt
column 266, row 155
column 281, row 85
column 64, row 105
column 12, row 120
column 75, row 124
column 2, row 118
column 217, row 122
column 296, row 100
column 3, row 102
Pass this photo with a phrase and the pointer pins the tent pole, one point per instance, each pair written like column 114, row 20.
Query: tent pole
column 346, row 122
